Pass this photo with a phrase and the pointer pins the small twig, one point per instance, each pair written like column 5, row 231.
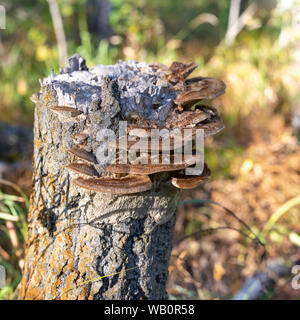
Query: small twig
column 4, row 254
column 234, row 12
column 12, row 234
column 59, row 32
column 240, row 23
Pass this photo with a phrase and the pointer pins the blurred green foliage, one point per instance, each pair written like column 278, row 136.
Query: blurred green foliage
column 13, row 232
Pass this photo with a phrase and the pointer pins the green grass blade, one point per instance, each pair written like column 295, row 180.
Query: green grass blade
column 8, row 217
column 279, row 213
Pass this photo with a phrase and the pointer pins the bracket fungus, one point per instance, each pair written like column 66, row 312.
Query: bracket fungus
column 124, row 185
column 147, row 97
column 182, row 181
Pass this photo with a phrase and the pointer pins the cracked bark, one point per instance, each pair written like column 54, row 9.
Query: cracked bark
column 90, row 245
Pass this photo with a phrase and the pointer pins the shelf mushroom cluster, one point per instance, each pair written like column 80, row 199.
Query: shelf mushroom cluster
column 191, row 108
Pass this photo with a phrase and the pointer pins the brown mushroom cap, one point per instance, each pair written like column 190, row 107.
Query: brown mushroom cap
column 211, row 127
column 82, row 168
column 147, row 144
column 65, row 111
column 188, row 118
column 200, row 88
column 151, row 168
column 125, row 185
column 185, row 69
column 178, row 71
column 83, row 154
column 182, row 181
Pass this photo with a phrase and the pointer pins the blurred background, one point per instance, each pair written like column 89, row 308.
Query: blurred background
column 237, row 236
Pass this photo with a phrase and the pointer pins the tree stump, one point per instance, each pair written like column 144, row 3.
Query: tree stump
column 86, row 244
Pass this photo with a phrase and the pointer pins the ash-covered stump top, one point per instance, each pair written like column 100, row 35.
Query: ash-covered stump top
column 123, row 160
